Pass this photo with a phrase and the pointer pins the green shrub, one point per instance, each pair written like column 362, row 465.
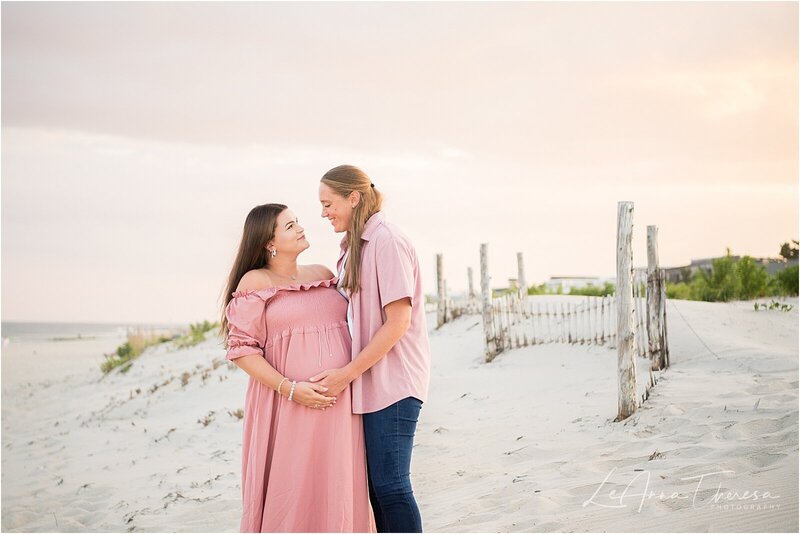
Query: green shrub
column 721, row 284
column 753, row 279
column 787, row 281
column 541, row 289
column 594, row 291
column 502, row 292
column 681, row 290
column 729, row 279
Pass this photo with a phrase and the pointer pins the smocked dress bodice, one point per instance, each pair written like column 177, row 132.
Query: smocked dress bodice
column 311, row 317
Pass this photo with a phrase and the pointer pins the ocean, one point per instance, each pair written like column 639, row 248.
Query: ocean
column 23, row 331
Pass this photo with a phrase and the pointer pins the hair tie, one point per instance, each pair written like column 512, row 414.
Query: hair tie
column 372, row 185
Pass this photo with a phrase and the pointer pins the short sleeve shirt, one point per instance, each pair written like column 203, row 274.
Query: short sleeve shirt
column 389, row 272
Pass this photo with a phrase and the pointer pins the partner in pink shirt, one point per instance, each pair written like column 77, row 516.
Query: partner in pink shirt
column 389, row 272
column 390, row 368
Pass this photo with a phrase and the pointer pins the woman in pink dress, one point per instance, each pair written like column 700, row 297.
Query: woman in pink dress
column 303, row 457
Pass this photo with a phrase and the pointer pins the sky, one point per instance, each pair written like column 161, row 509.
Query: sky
column 136, row 137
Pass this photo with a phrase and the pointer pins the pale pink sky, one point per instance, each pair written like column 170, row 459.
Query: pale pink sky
column 137, row 136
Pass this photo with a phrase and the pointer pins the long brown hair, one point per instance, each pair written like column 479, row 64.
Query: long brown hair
column 345, row 179
column 259, row 229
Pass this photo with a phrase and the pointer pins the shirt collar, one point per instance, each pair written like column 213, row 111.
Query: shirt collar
column 372, row 225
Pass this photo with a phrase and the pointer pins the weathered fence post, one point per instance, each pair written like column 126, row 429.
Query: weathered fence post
column 664, row 339
column 522, row 286
column 654, row 308
column 626, row 328
column 448, row 309
column 471, row 288
column 598, row 320
column 586, row 327
column 486, row 294
column 641, row 327
column 441, row 304
column 637, row 306
column 603, row 315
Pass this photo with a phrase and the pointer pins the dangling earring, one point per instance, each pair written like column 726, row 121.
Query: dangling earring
column 274, row 252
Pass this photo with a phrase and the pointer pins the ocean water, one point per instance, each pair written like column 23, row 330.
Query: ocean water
column 27, row 332
column 38, row 352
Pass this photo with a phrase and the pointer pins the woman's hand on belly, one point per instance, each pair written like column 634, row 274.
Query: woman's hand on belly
column 310, row 395
column 336, row 380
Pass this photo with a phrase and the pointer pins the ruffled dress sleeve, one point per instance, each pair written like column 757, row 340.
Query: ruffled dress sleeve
column 247, row 327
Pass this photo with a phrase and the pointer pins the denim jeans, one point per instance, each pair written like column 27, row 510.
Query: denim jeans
column 389, row 436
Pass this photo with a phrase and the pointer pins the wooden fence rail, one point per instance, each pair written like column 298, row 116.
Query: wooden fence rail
column 540, row 319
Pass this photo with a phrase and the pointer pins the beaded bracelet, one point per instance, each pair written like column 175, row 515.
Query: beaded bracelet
column 278, row 389
column 291, row 391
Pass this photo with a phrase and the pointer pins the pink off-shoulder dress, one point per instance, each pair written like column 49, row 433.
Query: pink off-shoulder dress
column 303, row 470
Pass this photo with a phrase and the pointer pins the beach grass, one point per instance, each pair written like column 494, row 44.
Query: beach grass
column 197, row 334
column 139, row 341
column 135, row 345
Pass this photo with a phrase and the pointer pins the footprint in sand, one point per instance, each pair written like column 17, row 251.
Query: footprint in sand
column 758, row 427
column 760, row 459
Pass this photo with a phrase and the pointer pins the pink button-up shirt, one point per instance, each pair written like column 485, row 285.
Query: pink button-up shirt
column 389, row 272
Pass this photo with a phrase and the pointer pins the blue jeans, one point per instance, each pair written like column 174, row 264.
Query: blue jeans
column 389, row 437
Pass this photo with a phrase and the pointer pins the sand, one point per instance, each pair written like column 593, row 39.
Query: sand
column 526, row 443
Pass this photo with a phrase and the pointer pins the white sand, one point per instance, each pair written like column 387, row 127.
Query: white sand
column 520, row 444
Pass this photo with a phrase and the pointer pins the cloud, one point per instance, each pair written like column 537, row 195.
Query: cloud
column 721, row 91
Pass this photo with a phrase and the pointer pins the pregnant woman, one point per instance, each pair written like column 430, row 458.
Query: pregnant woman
column 390, row 370
column 303, row 457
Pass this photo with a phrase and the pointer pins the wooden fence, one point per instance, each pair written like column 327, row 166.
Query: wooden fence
column 522, row 321
column 633, row 320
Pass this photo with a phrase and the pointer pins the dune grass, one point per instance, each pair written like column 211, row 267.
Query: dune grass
column 138, row 342
column 135, row 345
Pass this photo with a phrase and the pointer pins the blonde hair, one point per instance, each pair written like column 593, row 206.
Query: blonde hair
column 345, row 179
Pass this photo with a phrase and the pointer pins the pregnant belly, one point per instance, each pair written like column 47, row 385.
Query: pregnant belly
column 301, row 355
